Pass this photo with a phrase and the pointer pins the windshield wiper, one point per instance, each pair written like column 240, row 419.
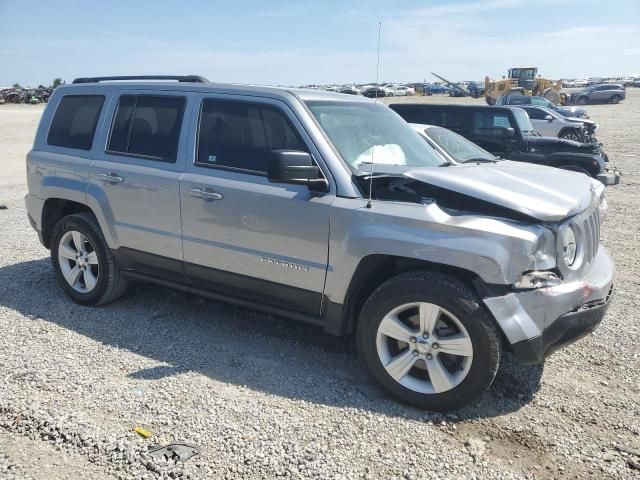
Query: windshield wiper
column 480, row 160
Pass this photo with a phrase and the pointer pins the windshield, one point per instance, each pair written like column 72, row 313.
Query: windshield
column 457, row 146
column 372, row 133
column 523, row 121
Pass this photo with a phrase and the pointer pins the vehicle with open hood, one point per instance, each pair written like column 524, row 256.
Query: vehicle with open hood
column 324, row 208
column 549, row 123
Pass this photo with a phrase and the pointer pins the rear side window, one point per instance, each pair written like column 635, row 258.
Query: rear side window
column 412, row 115
column 147, row 126
column 451, row 119
column 74, row 123
column 241, row 135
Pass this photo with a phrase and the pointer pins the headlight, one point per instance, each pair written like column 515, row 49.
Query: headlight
column 569, row 246
column 537, row 279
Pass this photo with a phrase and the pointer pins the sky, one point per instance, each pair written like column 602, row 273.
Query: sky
column 317, row 42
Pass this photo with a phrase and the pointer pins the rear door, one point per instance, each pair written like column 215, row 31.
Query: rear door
column 243, row 235
column 135, row 179
column 600, row 93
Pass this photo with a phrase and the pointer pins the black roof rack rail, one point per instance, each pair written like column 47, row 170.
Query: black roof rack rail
column 179, row 78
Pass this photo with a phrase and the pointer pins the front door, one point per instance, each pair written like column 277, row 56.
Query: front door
column 243, row 235
column 136, row 180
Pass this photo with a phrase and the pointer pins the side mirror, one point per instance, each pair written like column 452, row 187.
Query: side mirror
column 509, row 133
column 549, row 118
column 295, row 166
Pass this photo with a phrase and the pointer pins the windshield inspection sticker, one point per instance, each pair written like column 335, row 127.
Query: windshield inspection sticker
column 212, row 158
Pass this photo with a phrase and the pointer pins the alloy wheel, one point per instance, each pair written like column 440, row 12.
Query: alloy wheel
column 424, row 347
column 572, row 136
column 78, row 261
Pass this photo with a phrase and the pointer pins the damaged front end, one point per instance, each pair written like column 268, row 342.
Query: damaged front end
column 545, row 231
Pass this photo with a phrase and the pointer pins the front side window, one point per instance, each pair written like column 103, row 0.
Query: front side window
column 365, row 132
column 147, row 126
column 74, row 123
column 242, row 135
column 516, row 100
column 536, row 113
column 523, row 121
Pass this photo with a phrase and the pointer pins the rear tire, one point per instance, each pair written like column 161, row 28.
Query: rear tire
column 446, row 369
column 83, row 262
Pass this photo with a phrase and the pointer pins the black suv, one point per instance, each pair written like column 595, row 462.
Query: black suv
column 507, row 132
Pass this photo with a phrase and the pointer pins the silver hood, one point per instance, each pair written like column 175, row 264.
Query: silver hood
column 544, row 193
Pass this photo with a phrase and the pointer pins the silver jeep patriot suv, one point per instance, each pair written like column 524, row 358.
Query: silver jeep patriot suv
column 324, row 208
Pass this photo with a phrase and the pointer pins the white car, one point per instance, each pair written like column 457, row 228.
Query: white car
column 399, row 91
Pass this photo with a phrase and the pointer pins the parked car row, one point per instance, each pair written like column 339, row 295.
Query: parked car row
column 624, row 81
column 399, row 90
column 373, row 91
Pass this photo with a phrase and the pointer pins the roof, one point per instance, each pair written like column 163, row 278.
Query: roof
column 282, row 93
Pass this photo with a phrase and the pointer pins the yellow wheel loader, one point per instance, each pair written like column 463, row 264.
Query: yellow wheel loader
column 523, row 81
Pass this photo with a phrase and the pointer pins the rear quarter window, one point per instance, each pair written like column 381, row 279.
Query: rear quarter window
column 451, row 119
column 75, row 121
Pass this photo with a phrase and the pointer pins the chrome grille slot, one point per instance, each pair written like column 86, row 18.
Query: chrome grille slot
column 591, row 229
column 588, row 239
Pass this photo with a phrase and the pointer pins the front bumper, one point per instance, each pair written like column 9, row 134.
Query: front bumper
column 538, row 322
column 565, row 330
column 609, row 176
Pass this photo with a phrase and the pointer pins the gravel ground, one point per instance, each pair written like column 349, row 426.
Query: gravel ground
column 263, row 397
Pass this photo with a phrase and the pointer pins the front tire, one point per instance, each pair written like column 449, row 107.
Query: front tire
column 582, row 101
column 615, row 99
column 426, row 338
column 83, row 262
